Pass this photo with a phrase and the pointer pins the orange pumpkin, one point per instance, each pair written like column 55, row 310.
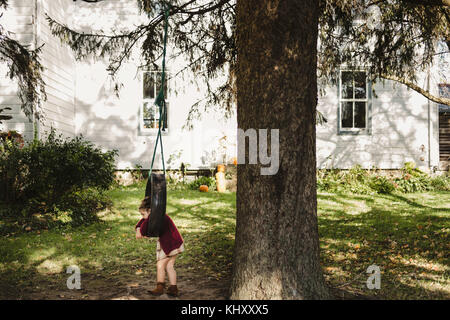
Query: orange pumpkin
column 235, row 161
column 220, row 168
column 203, row 188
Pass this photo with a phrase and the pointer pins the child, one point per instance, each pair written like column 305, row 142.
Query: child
column 170, row 243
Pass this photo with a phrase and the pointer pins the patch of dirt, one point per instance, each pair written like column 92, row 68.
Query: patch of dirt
column 130, row 287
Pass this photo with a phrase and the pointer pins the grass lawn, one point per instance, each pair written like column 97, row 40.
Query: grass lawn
column 112, row 261
column 405, row 235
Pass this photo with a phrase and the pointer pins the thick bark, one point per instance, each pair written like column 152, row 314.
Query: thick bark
column 277, row 243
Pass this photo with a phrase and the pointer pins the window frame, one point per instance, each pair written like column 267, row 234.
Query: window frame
column 152, row 131
column 443, row 93
column 368, row 100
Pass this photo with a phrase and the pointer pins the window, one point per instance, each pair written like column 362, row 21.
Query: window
column 444, row 92
column 353, row 102
column 149, row 115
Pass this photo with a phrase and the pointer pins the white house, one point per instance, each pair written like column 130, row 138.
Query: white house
column 384, row 130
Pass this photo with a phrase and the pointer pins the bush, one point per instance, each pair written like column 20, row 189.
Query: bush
column 358, row 180
column 82, row 206
column 10, row 138
column 208, row 181
column 413, row 179
column 53, row 175
column 382, row 185
column 441, row 183
column 355, row 180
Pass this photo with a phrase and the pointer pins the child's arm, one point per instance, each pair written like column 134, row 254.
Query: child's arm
column 138, row 229
column 138, row 233
column 142, row 224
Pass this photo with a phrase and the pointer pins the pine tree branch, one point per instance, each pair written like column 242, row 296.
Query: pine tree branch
column 24, row 66
column 425, row 93
column 445, row 3
column 206, row 8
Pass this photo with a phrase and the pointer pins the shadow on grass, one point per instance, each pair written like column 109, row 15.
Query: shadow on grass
column 407, row 236
column 33, row 265
column 407, row 240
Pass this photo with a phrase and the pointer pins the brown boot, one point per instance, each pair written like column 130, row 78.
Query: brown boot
column 173, row 291
column 159, row 290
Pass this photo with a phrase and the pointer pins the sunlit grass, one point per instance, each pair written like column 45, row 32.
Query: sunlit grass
column 406, row 235
column 109, row 249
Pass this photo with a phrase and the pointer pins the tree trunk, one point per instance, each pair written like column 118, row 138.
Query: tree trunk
column 277, row 243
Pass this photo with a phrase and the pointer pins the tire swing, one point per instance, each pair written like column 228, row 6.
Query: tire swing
column 156, row 183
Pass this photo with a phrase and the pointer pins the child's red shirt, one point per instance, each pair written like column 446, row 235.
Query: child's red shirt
column 170, row 238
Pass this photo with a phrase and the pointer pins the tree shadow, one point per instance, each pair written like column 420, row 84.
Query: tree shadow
column 407, row 240
column 112, row 260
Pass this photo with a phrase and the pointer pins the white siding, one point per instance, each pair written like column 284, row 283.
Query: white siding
column 59, row 74
column 113, row 122
column 399, row 131
column 17, row 19
column 81, row 100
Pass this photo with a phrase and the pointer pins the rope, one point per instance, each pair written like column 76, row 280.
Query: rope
column 160, row 100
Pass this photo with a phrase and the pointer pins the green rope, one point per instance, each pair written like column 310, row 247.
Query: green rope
column 160, row 100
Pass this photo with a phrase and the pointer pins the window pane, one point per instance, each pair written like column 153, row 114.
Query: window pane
column 347, row 114
column 149, row 85
column 157, row 111
column 347, row 85
column 360, row 114
column 444, row 92
column 158, row 83
column 148, row 110
column 360, row 85
column 149, row 114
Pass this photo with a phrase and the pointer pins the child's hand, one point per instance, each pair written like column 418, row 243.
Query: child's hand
column 138, row 234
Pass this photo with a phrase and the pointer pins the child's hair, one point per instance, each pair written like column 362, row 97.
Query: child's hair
column 146, row 203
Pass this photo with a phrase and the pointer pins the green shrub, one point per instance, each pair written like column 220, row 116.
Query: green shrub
column 53, row 175
column 355, row 180
column 361, row 181
column 82, row 206
column 176, row 178
column 10, row 138
column 382, row 185
column 208, row 181
column 413, row 179
column 441, row 183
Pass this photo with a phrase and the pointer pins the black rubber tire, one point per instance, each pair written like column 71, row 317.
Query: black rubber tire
column 157, row 190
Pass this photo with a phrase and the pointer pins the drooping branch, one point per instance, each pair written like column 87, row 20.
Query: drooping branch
column 425, row 93
column 397, row 38
column 24, row 66
column 202, row 31
column 445, row 3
